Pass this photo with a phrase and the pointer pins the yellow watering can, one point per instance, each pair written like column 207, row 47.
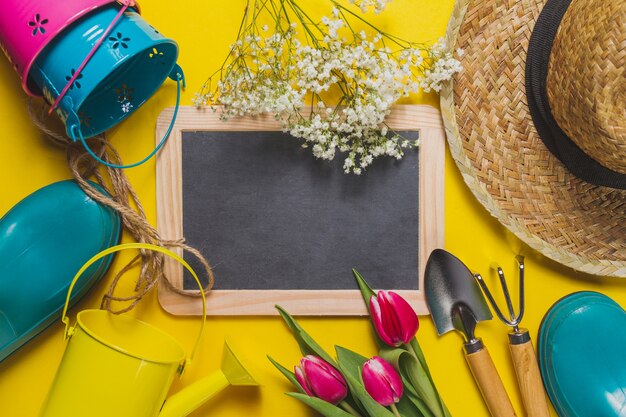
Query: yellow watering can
column 116, row 365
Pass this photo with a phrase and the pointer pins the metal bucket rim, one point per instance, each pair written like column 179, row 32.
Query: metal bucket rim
column 121, row 317
column 119, row 66
column 28, row 85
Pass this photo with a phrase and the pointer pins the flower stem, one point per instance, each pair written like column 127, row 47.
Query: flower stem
column 441, row 407
column 419, row 355
column 400, row 42
column 395, row 411
column 349, row 409
column 410, row 349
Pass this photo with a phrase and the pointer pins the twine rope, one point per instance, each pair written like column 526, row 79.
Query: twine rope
column 123, row 199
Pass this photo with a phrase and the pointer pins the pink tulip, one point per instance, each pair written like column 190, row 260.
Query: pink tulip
column 320, row 379
column 382, row 381
column 394, row 319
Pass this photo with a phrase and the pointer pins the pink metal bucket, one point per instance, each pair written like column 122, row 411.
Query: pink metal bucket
column 27, row 26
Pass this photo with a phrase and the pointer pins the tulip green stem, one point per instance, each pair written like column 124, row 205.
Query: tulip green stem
column 440, row 408
column 410, row 349
column 395, row 411
column 349, row 409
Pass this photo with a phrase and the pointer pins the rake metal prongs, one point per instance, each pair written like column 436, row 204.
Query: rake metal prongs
column 515, row 319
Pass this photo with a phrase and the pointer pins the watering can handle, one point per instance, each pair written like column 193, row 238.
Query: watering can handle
column 146, row 246
column 76, row 134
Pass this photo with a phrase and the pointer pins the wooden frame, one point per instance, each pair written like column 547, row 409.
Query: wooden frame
column 425, row 119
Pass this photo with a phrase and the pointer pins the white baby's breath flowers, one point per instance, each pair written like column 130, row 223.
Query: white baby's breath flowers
column 369, row 72
column 364, row 5
column 443, row 67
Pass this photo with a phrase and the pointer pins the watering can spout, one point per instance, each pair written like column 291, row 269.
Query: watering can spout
column 232, row 372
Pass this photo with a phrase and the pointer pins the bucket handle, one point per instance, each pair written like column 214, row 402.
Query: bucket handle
column 65, row 319
column 125, row 5
column 77, row 134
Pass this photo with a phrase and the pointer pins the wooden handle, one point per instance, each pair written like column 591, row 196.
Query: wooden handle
column 528, row 376
column 490, row 384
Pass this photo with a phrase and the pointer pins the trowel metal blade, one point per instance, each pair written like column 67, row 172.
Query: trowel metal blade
column 448, row 282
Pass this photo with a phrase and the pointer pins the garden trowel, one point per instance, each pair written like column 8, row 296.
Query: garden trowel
column 456, row 303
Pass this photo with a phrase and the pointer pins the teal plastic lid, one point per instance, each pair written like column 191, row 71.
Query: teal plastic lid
column 44, row 240
column 582, row 356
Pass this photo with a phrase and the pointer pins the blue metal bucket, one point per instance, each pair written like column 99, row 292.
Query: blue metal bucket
column 126, row 69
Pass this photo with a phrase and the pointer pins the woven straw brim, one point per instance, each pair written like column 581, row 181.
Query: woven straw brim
column 500, row 155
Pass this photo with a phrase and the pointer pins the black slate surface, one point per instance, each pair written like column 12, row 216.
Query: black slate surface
column 268, row 215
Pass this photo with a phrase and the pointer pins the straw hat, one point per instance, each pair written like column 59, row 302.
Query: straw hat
column 540, row 79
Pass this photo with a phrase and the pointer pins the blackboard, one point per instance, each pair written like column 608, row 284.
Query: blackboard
column 281, row 227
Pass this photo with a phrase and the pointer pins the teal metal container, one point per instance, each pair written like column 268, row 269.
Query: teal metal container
column 582, row 356
column 44, row 240
column 102, row 68
column 127, row 69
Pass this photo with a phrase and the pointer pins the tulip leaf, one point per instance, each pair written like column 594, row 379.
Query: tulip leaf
column 366, row 291
column 407, row 408
column 350, row 364
column 421, row 405
column 414, row 375
column 308, row 346
column 417, row 403
column 419, row 354
column 325, row 408
column 288, row 374
column 352, row 361
column 417, row 350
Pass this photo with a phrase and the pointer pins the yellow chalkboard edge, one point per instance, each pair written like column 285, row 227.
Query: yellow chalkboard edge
column 424, row 118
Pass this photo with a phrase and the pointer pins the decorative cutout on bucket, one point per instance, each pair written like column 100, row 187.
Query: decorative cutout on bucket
column 38, row 25
column 119, row 40
column 124, row 97
column 158, row 57
column 127, row 107
column 68, row 78
column 84, row 119
column 124, row 93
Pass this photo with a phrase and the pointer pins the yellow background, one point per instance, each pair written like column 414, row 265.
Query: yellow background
column 204, row 29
